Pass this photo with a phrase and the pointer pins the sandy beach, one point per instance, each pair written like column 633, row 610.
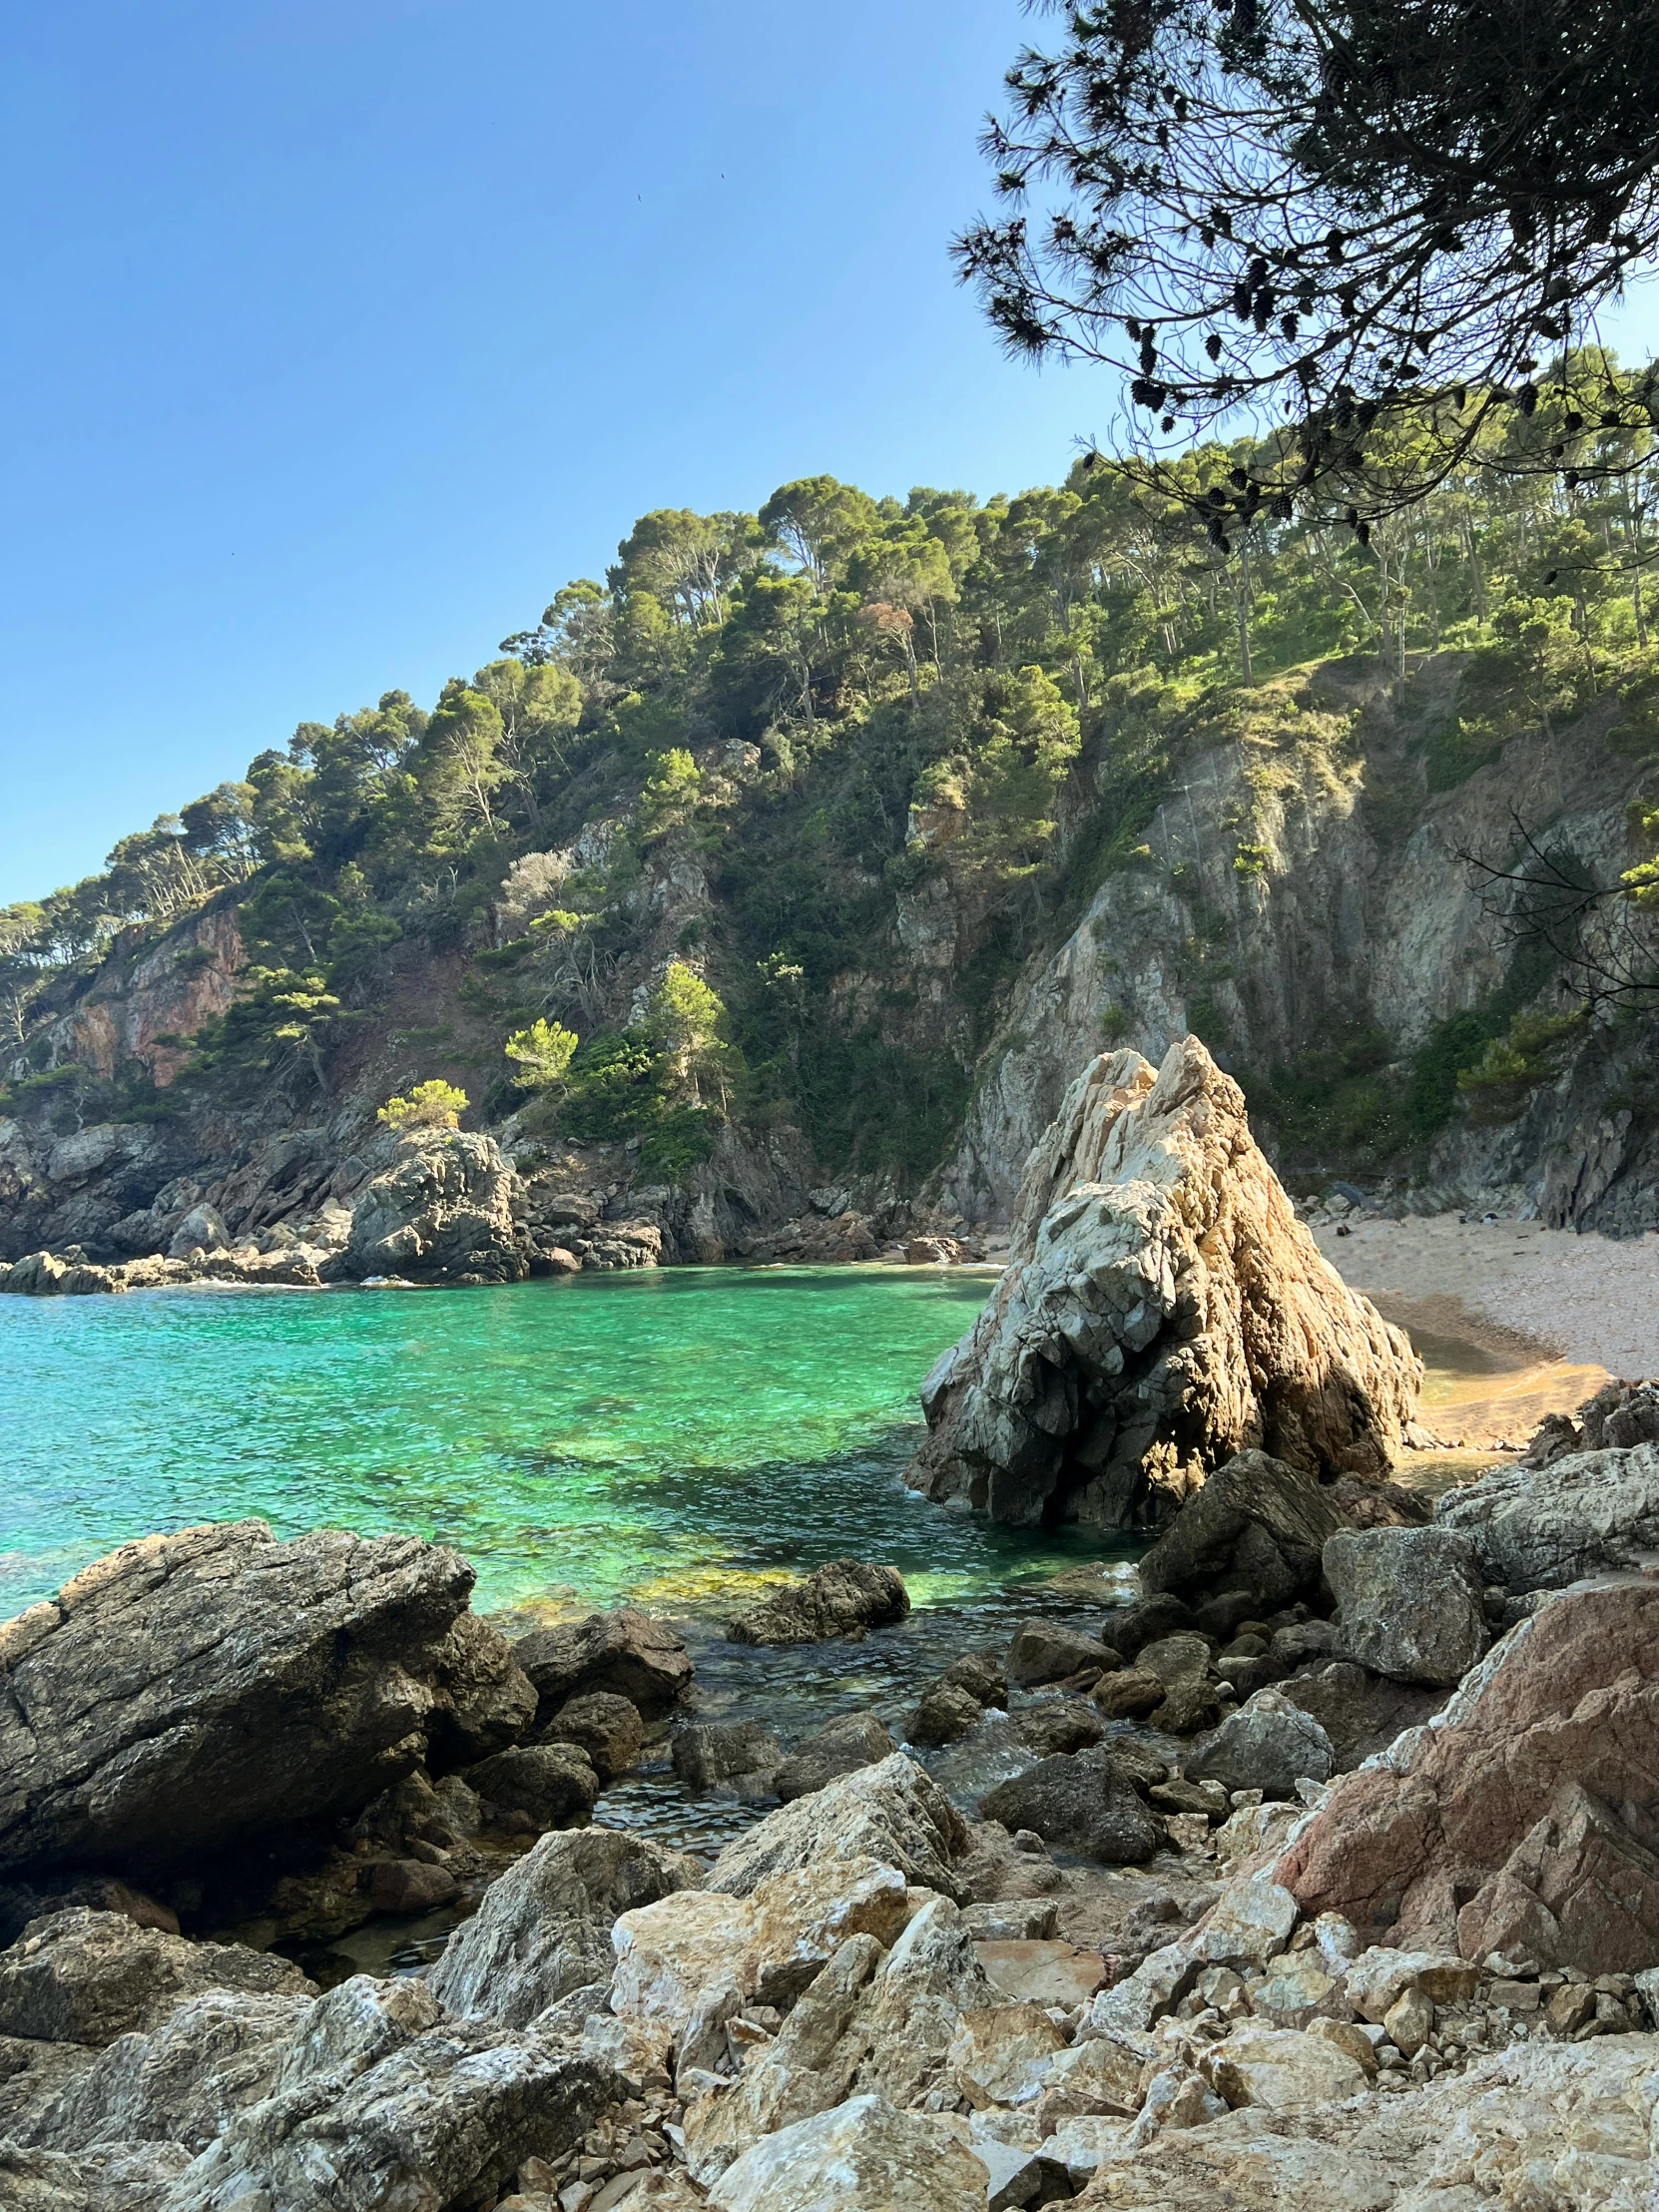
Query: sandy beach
column 1515, row 1321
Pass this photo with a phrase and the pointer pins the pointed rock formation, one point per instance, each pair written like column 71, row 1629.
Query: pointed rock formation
column 1163, row 1309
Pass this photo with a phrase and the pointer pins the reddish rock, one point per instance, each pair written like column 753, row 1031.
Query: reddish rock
column 1528, row 1820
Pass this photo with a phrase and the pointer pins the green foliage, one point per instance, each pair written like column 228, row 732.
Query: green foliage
column 680, row 1140
column 616, row 1089
column 1500, row 1084
column 669, row 793
column 543, row 1052
column 430, row 1105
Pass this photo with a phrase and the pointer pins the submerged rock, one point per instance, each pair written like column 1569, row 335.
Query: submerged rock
column 1163, row 1311
column 842, row 1599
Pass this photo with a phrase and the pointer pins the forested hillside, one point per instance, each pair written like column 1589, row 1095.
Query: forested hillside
column 776, row 828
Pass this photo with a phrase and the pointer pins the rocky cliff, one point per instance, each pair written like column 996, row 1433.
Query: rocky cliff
column 1299, row 895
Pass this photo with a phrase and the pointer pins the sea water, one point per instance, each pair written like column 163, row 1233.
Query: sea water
column 684, row 1437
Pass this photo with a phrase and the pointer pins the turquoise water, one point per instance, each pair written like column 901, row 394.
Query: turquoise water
column 679, row 1436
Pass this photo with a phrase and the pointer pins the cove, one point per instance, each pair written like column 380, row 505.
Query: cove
column 677, row 1435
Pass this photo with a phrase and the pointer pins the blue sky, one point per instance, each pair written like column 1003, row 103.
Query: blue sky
column 344, row 332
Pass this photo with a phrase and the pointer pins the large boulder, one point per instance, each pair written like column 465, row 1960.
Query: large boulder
column 1086, row 1803
column 1539, row 1528
column 861, row 2156
column 1411, row 1601
column 1256, row 1526
column 626, row 1653
column 843, row 1599
column 442, row 1212
column 544, row 1928
column 1526, row 1818
column 187, row 1693
column 87, row 1977
column 1162, row 1311
column 1270, row 1745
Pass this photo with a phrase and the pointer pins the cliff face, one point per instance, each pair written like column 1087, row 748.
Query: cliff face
column 1352, row 921
column 1297, row 898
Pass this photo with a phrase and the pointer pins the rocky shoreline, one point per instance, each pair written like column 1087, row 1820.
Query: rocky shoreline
column 1311, row 1862
column 1320, row 1871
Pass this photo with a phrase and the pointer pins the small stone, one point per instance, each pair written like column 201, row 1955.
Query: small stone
column 1408, row 2021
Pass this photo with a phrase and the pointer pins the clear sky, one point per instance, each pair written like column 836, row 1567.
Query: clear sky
column 343, row 332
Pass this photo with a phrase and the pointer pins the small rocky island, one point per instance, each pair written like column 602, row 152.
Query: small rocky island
column 1318, row 1868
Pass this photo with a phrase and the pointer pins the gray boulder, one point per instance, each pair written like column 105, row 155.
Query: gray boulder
column 1269, row 1744
column 1360, row 1711
column 894, row 1813
column 1162, row 1311
column 710, row 1752
column 192, row 1692
column 544, row 1928
column 552, row 1783
column 1086, row 1803
column 87, row 1977
column 1059, row 1724
column 442, row 1211
column 1258, row 1524
column 605, row 1728
column 626, row 1653
column 1411, row 1601
column 1540, row 1529
column 1047, row 1651
column 854, row 1740
column 843, row 1599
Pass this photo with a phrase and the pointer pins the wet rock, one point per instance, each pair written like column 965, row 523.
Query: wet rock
column 1258, row 1524
column 842, row 1599
column 544, row 1928
column 1269, row 1744
column 1128, row 1627
column 1048, row 1651
column 408, row 1885
column 1057, row 1725
column 1515, row 1823
column 894, row 1813
column 605, row 1728
column 710, row 1753
column 552, row 1783
column 1411, row 1601
column 854, row 1740
column 190, row 1692
column 1085, row 1803
column 626, row 1653
column 1131, row 1694
column 1162, row 1311
column 1589, row 1513
column 441, row 1212
column 85, row 1978
column 947, row 1712
column 861, row 2156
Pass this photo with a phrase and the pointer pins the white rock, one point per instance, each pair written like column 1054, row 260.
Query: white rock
column 1251, row 1922
column 861, row 2156
column 1377, row 1978
column 1284, row 2068
column 1001, row 2055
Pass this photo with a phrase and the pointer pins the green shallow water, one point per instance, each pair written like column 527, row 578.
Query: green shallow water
column 677, row 1435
